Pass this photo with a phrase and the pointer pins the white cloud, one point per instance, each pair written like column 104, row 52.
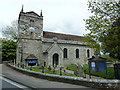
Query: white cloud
column 64, row 16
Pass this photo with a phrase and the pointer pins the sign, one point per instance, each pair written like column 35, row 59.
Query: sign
column 31, row 61
column 93, row 65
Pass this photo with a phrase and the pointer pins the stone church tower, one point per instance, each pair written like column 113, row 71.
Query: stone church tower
column 30, row 36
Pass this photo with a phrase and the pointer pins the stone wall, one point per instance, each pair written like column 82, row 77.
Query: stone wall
column 94, row 83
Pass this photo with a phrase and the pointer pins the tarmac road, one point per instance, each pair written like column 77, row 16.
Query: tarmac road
column 9, row 84
column 33, row 82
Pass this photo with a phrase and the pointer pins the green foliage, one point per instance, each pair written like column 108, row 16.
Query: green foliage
column 109, row 58
column 104, row 27
column 111, row 42
column 85, row 67
column 8, row 50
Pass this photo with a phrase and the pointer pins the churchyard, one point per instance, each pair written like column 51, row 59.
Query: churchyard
column 77, row 71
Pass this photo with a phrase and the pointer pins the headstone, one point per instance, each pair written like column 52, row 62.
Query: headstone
column 42, row 69
column 49, row 68
column 78, row 71
column 54, row 70
column 81, row 72
column 60, row 71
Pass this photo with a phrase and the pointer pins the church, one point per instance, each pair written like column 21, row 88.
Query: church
column 38, row 47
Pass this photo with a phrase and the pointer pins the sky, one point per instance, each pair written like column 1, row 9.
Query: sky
column 61, row 16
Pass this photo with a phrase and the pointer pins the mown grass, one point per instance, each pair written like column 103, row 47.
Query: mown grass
column 71, row 67
column 46, row 70
column 104, row 74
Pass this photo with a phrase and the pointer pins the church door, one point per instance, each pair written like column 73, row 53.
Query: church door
column 55, row 60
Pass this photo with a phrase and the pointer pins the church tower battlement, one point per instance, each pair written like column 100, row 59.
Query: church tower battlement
column 30, row 25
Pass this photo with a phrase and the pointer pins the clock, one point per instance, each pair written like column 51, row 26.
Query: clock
column 31, row 29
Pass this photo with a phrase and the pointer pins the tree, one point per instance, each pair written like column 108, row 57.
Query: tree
column 111, row 42
column 11, row 31
column 8, row 44
column 103, row 26
column 8, row 50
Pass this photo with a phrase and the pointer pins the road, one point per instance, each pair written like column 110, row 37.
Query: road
column 9, row 84
column 33, row 82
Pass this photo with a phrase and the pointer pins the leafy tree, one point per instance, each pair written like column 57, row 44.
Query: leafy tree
column 104, row 26
column 8, row 50
column 11, row 31
column 111, row 41
column 8, row 45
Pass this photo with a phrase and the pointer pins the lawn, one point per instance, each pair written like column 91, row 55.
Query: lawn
column 46, row 70
column 109, row 74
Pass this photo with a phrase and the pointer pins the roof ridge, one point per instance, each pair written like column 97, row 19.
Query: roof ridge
column 61, row 36
column 63, row 33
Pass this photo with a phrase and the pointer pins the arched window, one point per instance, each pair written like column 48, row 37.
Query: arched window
column 77, row 53
column 65, row 52
column 88, row 53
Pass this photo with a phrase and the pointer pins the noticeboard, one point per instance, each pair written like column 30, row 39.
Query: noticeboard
column 97, row 66
column 32, row 62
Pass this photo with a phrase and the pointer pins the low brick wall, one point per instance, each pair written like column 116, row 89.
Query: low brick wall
column 94, row 83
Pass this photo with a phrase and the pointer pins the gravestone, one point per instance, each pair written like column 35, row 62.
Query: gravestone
column 78, row 71
column 49, row 68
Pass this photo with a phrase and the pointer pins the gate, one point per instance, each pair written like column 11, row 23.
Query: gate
column 117, row 70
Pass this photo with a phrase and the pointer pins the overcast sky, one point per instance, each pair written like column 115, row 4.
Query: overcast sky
column 63, row 16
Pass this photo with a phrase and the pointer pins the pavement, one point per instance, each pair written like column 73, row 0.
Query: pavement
column 33, row 82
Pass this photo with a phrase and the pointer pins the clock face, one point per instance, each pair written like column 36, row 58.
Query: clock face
column 32, row 29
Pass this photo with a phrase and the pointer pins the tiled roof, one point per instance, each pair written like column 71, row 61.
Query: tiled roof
column 62, row 36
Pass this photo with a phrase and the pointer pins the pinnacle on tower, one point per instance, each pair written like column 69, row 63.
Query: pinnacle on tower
column 22, row 9
column 41, row 13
